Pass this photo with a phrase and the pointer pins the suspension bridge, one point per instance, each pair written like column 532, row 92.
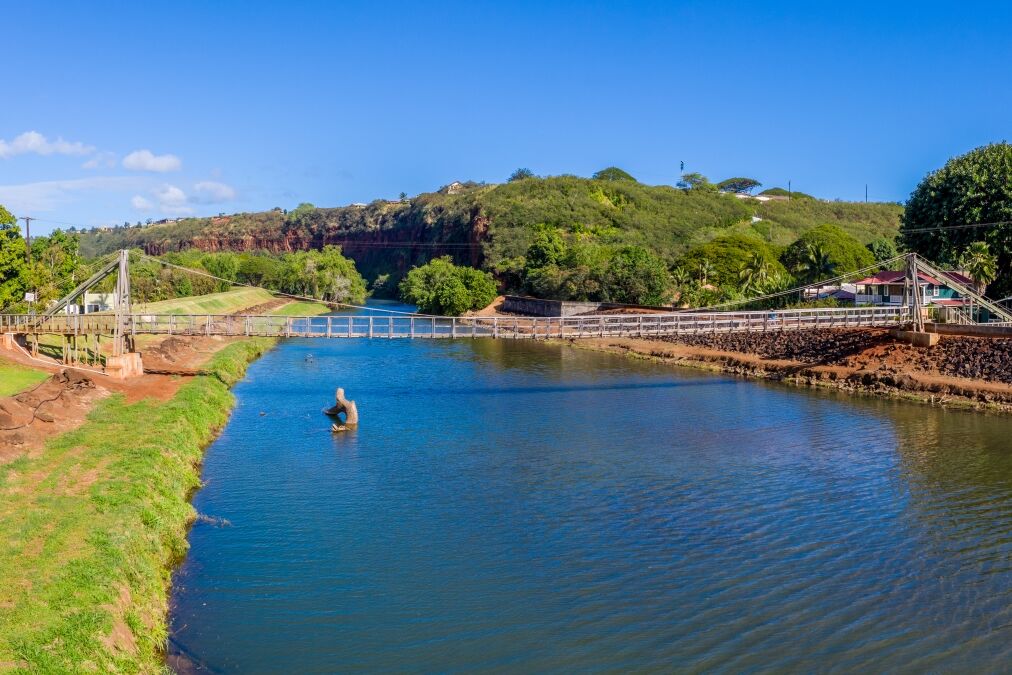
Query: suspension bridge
column 122, row 324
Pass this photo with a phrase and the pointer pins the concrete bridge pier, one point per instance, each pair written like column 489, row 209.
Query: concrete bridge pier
column 124, row 366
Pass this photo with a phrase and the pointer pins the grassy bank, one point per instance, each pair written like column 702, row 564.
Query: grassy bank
column 91, row 527
column 299, row 308
column 15, row 378
column 213, row 303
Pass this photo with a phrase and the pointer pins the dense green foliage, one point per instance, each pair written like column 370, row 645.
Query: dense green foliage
column 325, row 274
column 492, row 227
column 613, row 173
column 520, row 174
column 740, row 184
column 842, row 252
column 883, row 249
column 783, row 192
column 574, row 266
column 55, row 269
column 440, row 287
column 720, row 262
column 970, row 189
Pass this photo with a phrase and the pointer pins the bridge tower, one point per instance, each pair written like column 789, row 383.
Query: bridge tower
column 122, row 338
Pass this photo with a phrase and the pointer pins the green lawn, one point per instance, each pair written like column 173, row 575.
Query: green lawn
column 228, row 302
column 298, row 308
column 16, row 378
column 90, row 528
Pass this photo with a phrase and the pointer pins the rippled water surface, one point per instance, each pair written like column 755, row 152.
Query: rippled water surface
column 526, row 507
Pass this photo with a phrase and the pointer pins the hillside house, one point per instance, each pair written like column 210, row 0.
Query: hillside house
column 886, row 288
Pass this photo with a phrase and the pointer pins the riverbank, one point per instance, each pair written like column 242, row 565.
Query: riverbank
column 94, row 521
column 964, row 372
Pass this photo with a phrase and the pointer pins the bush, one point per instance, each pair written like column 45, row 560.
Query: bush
column 727, row 255
column 440, row 287
column 613, row 173
column 844, row 251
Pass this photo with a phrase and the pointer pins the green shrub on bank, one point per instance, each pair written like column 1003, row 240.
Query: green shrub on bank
column 440, row 287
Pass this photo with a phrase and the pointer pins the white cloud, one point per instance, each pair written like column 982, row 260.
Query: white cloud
column 141, row 203
column 48, row 195
column 211, row 192
column 32, row 142
column 171, row 199
column 103, row 160
column 145, row 160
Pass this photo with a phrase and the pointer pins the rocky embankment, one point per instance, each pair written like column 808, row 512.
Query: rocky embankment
column 959, row 370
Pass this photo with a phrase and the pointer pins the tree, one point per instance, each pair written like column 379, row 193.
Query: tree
column 726, row 255
column 756, row 274
column 520, row 174
column 440, row 287
column 973, row 188
column 224, row 265
column 637, row 276
column 680, row 278
column 613, row 173
column 816, row 263
column 12, row 260
column 403, row 196
column 740, row 185
column 706, row 270
column 883, row 249
column 299, row 212
column 695, row 181
column 980, row 263
column 548, row 248
column 841, row 249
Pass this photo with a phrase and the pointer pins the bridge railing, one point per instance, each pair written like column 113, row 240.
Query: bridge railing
column 398, row 326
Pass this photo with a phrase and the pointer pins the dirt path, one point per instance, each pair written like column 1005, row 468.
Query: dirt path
column 62, row 402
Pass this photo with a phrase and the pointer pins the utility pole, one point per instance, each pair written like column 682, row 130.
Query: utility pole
column 788, row 190
column 28, row 237
column 865, row 193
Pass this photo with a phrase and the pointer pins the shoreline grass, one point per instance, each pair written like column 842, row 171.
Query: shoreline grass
column 15, row 378
column 90, row 529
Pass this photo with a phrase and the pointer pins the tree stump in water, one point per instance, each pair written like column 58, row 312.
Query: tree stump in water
column 348, row 408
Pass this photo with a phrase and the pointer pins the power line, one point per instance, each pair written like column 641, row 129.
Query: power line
column 961, row 226
column 841, row 278
column 285, row 295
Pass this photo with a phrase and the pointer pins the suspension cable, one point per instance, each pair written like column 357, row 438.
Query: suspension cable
column 841, row 278
column 292, row 296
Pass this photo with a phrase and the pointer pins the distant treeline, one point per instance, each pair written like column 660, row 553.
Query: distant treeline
column 325, row 274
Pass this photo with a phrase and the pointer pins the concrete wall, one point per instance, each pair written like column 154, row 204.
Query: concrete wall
column 516, row 304
column 519, row 304
column 977, row 331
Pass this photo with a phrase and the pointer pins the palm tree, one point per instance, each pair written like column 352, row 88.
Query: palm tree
column 706, row 270
column 755, row 274
column 980, row 263
column 680, row 277
column 816, row 265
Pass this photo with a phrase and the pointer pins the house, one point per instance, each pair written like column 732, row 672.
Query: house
column 456, row 187
column 99, row 302
column 886, row 288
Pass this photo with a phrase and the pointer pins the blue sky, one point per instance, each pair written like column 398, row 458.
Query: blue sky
column 129, row 111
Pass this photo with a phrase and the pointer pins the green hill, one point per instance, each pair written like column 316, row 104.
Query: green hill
column 492, row 225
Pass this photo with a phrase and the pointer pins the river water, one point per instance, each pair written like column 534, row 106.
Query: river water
column 509, row 506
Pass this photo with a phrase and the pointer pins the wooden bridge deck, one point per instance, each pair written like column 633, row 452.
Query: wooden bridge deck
column 417, row 326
